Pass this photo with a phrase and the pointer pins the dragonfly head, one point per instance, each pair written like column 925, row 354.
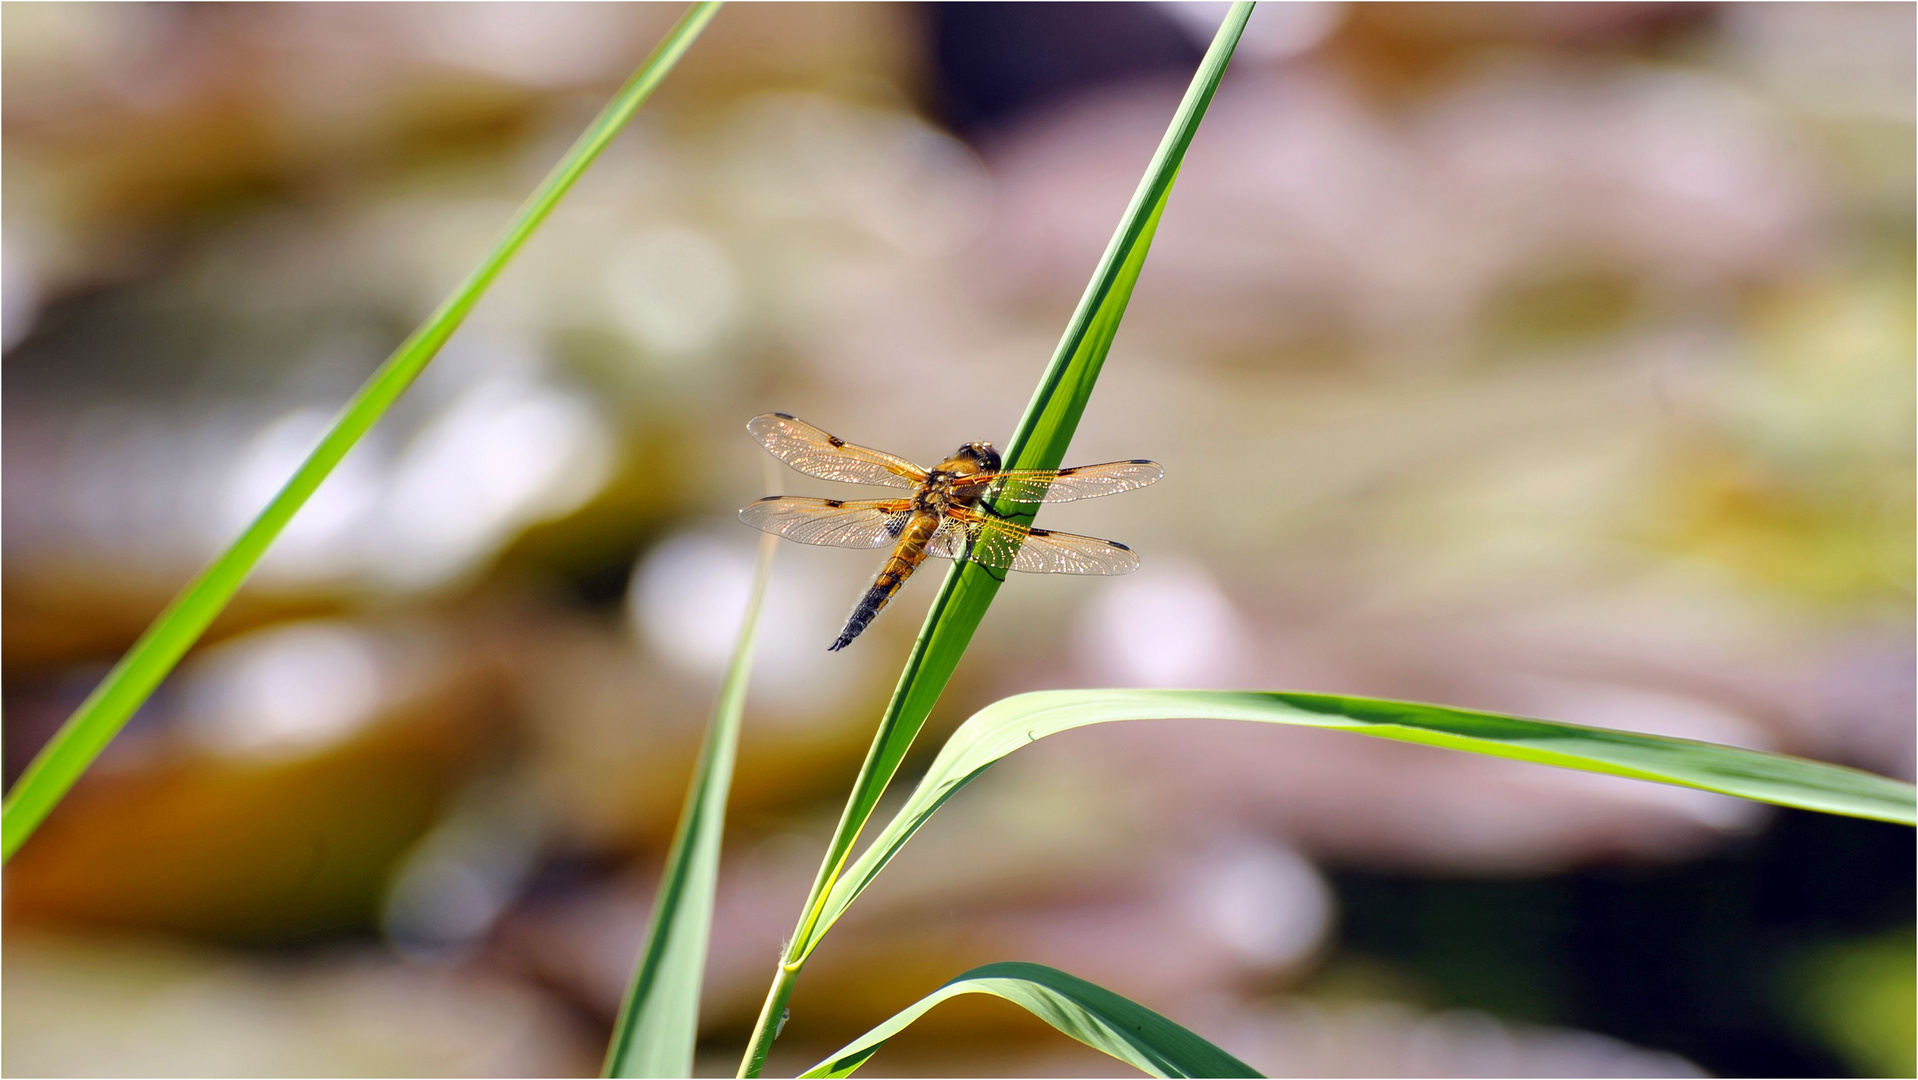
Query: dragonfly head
column 982, row 454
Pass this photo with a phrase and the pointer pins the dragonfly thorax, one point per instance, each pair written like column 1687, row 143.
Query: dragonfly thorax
column 938, row 494
column 947, row 484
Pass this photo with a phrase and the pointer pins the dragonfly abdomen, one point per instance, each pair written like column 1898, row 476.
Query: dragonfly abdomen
column 906, row 557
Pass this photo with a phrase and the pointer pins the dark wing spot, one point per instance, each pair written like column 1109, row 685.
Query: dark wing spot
column 1069, row 472
column 785, row 416
column 835, row 440
column 1041, row 532
column 834, row 503
column 1141, row 461
column 769, row 498
column 1118, row 545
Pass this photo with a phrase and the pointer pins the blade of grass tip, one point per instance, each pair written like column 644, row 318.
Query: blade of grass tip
column 1006, row 725
column 131, row 681
column 659, row 1023
column 1039, row 443
column 1089, row 1013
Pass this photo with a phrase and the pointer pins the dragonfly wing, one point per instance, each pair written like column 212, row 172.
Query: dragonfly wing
column 1008, row 545
column 951, row 540
column 815, row 453
column 830, row 522
column 1068, row 485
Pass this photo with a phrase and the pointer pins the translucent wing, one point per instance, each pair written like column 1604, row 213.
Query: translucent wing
column 829, row 457
column 952, row 538
column 1066, row 485
column 830, row 522
column 1008, row 545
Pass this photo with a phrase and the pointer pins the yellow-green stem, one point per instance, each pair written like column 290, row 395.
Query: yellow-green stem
column 772, row 1017
column 851, row 820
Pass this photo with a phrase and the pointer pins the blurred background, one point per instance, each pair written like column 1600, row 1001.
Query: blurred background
column 1548, row 359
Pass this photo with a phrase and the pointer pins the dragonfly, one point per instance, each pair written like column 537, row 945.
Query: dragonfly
column 949, row 513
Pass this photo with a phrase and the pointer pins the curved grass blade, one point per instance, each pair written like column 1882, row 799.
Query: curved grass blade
column 1039, row 443
column 99, row 718
column 659, row 1021
column 1091, row 1014
column 1007, row 725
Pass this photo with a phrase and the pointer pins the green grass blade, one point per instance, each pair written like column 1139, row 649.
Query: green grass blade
column 659, row 1022
column 1039, row 442
column 86, row 733
column 1043, row 434
column 1093, row 1015
column 1007, row 725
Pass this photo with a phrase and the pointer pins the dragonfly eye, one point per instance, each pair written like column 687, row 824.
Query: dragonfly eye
column 983, row 454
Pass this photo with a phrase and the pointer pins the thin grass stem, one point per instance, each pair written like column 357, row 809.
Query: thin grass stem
column 658, row 1024
column 80, row 740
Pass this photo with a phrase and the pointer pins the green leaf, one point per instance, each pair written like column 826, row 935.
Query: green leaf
column 659, row 1023
column 1039, row 442
column 1093, row 1015
column 1007, row 725
column 99, row 718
